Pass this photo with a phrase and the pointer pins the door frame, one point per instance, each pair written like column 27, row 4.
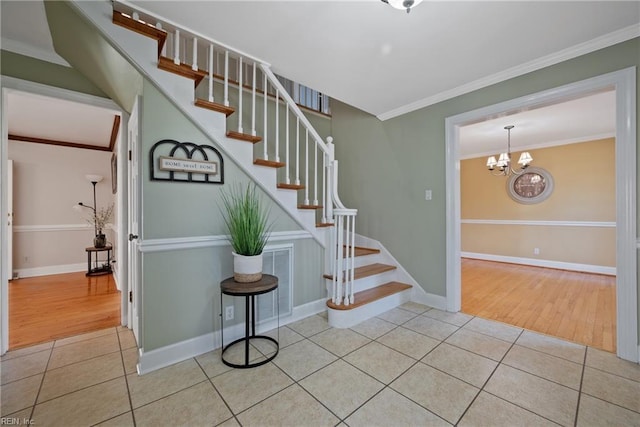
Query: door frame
column 8, row 85
column 624, row 83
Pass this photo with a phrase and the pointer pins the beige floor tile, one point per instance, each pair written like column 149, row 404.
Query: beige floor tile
column 243, row 388
column 70, row 378
column 236, row 354
column 408, row 342
column 379, row 361
column 303, row 358
column 163, row 382
column 415, row 307
column 83, row 350
column 26, row 350
column 544, row 365
column 495, row 329
column 462, row 364
column 130, row 358
column 84, row 337
column 554, row 346
column 124, row 420
column 284, row 335
column 24, row 366
column 481, row 344
column 197, row 405
column 611, row 363
column 340, row 341
column 397, row 316
column 442, row 394
column 231, row 422
column 545, row 398
column 431, row 327
column 595, row 412
column 292, row 406
column 612, row 388
column 212, row 363
column 488, row 410
column 458, row 319
column 389, row 408
column 127, row 339
column 19, row 394
column 85, row 407
column 373, row 328
column 310, row 325
column 341, row 387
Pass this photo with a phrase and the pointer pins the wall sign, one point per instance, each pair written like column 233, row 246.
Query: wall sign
column 186, row 162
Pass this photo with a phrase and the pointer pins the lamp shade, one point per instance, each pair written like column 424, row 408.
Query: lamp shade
column 404, row 4
column 491, row 162
column 525, row 159
column 93, row 178
column 503, row 161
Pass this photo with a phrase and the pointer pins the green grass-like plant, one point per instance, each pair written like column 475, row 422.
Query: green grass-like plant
column 247, row 219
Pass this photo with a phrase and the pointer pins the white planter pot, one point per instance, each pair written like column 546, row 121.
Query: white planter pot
column 247, row 269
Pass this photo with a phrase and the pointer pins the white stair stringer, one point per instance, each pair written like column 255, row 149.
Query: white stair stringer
column 141, row 52
column 349, row 318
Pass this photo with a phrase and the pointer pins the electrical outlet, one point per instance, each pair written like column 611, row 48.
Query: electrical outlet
column 228, row 313
column 536, row 251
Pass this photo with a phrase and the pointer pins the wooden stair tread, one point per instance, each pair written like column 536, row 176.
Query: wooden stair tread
column 144, row 28
column 367, row 270
column 325, row 224
column 369, row 295
column 183, row 70
column 284, row 186
column 243, row 136
column 362, row 251
column 310, row 206
column 214, row 106
column 268, row 163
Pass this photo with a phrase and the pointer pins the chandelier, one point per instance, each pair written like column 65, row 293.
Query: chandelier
column 403, row 4
column 503, row 164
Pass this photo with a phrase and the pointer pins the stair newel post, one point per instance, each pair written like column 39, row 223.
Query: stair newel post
column 338, row 272
column 277, row 126
column 176, row 48
column 297, row 181
column 352, row 255
column 286, row 142
column 327, row 181
column 210, row 95
column 306, row 166
column 253, row 100
column 240, row 83
column 226, row 78
column 315, row 174
column 194, row 65
column 265, row 117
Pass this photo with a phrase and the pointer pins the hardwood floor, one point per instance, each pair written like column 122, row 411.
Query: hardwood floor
column 51, row 307
column 579, row 307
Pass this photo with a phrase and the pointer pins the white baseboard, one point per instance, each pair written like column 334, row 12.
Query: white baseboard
column 50, row 269
column 585, row 268
column 432, row 300
column 171, row 354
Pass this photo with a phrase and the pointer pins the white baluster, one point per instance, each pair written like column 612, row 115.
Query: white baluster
column 352, row 257
column 297, row 182
column 306, row 165
column 264, row 128
column 286, row 134
column 135, row 16
column 211, row 54
column 194, row 65
column 226, row 78
column 277, row 126
column 176, row 48
column 253, row 101
column 325, row 181
column 240, row 73
column 339, row 251
column 315, row 174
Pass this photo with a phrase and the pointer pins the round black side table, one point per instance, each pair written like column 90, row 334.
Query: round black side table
column 249, row 291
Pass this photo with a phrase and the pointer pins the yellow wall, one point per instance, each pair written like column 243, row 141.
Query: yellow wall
column 584, row 190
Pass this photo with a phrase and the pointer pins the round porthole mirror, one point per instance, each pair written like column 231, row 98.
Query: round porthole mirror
column 534, row 185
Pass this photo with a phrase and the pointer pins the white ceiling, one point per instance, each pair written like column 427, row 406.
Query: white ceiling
column 387, row 62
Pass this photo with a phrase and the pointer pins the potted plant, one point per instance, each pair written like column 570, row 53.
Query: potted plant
column 247, row 221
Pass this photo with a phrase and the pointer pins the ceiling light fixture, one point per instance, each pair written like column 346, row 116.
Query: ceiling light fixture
column 504, row 161
column 403, row 4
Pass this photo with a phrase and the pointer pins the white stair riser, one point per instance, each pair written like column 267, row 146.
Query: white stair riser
column 349, row 318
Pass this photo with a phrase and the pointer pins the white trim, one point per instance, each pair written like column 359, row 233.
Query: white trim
column 598, row 224
column 51, row 227
column 25, row 49
column 183, row 350
column 560, row 265
column 598, row 43
column 50, row 269
column 182, row 243
column 432, row 300
column 624, row 82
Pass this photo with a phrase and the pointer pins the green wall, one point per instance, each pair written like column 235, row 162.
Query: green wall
column 385, row 167
column 180, row 295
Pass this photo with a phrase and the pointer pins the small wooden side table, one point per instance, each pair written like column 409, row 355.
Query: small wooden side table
column 249, row 291
column 97, row 269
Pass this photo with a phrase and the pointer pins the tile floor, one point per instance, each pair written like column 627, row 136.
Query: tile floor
column 411, row 366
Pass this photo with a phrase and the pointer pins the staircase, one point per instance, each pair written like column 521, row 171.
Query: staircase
column 300, row 173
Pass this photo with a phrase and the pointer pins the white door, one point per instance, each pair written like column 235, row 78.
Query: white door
column 10, row 219
column 133, row 133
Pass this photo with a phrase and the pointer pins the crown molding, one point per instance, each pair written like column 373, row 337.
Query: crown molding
column 601, row 42
column 28, row 50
